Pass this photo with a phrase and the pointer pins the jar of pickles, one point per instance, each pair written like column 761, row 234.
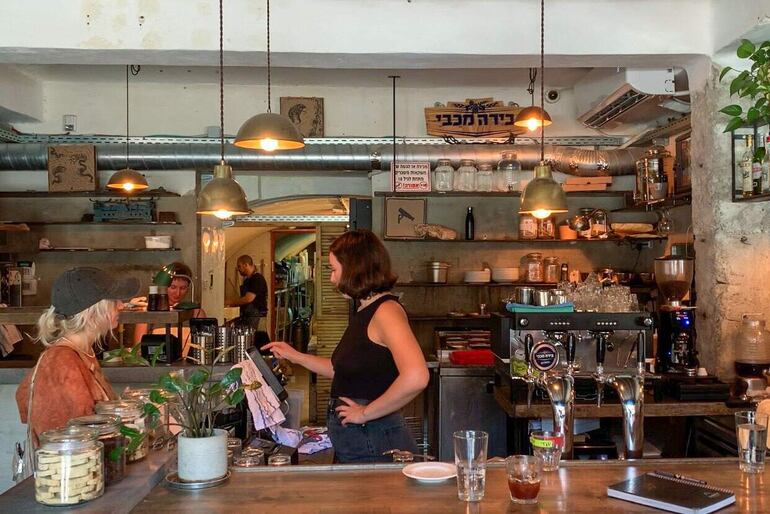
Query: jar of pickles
column 69, row 466
column 466, row 176
column 484, row 177
column 531, row 267
column 107, row 428
column 443, row 175
column 132, row 415
column 551, row 270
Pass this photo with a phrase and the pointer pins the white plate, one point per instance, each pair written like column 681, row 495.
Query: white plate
column 430, row 471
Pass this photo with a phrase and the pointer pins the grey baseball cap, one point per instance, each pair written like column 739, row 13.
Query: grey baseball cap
column 77, row 289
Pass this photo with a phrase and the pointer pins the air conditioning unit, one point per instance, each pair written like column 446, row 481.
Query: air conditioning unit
column 608, row 97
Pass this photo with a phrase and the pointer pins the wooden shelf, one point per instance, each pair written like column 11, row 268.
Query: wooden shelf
column 101, row 223
column 764, row 197
column 482, row 194
column 678, row 200
column 635, row 288
column 630, row 240
column 86, row 194
column 94, row 250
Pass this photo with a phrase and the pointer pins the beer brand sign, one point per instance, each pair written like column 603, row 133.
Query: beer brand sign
column 476, row 117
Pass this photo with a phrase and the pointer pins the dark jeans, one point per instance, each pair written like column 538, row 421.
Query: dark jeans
column 366, row 442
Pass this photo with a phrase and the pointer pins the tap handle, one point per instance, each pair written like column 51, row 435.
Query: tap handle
column 641, row 347
column 601, row 349
column 529, row 343
column 571, row 344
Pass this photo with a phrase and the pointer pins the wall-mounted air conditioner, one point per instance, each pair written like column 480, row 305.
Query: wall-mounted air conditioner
column 608, row 97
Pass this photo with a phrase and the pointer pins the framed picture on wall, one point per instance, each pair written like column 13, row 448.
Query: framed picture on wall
column 683, row 165
column 306, row 113
column 401, row 216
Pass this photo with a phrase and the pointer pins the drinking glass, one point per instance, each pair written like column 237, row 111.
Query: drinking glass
column 751, row 430
column 523, row 478
column 471, row 462
column 548, row 447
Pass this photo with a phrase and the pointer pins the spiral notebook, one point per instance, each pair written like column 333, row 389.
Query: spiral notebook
column 673, row 493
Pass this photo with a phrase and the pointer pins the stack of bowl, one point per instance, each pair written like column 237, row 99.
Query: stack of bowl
column 505, row 275
column 478, row 277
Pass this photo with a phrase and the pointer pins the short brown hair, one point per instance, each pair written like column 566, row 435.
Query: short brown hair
column 245, row 259
column 365, row 264
column 179, row 268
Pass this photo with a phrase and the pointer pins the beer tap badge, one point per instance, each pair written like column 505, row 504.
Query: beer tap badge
column 544, row 356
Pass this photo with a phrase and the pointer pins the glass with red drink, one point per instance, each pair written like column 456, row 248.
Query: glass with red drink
column 524, row 478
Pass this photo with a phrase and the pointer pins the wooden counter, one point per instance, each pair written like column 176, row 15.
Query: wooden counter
column 30, row 315
column 383, row 489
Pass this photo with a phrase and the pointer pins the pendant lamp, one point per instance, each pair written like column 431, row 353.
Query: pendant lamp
column 127, row 180
column 222, row 197
column 532, row 117
column 543, row 196
column 269, row 131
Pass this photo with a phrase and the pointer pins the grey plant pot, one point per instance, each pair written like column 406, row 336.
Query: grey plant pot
column 202, row 458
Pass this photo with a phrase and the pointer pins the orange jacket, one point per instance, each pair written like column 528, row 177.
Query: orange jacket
column 67, row 385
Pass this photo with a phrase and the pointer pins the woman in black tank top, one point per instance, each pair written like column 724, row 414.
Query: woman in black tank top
column 378, row 366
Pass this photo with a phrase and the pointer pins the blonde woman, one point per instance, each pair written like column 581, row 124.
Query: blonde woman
column 67, row 381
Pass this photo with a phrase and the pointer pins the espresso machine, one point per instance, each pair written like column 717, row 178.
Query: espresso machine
column 676, row 328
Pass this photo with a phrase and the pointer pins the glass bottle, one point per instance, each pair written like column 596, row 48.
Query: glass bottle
column 508, row 171
column 756, row 177
column 131, row 414
column 107, row 428
column 551, row 270
column 69, row 466
column 443, row 175
column 531, row 267
column 665, row 224
column 470, row 225
column 484, row 177
column 466, row 175
column 746, row 159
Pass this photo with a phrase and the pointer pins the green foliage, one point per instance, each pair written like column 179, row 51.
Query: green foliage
column 752, row 84
column 130, row 357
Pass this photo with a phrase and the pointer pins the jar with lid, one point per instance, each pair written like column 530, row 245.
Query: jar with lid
column 142, row 394
column 508, row 170
column 752, row 350
column 484, row 177
column 249, row 458
column 531, row 267
column 466, row 175
column 69, row 466
column 527, row 226
column 546, row 228
column 600, row 223
column 235, row 445
column 551, row 270
column 586, row 212
column 132, row 415
column 107, row 428
column 443, row 175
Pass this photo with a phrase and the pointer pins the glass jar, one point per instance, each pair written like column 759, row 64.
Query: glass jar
column 443, row 175
column 107, row 428
column 527, row 226
column 551, row 270
column 508, row 171
column 466, row 175
column 586, row 212
column 131, row 412
column 250, row 457
column 235, row 445
column 484, row 177
column 546, row 228
column 143, row 395
column 278, row 460
column 69, row 466
column 531, row 267
column 600, row 223
column 752, row 341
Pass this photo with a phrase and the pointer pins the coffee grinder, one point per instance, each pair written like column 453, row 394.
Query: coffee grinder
column 676, row 332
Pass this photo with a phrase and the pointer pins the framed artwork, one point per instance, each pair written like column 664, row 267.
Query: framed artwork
column 683, row 167
column 306, row 113
column 402, row 214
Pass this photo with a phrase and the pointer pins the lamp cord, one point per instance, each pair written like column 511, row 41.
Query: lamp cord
column 268, row 56
column 531, row 88
column 221, row 86
column 127, row 111
column 542, row 72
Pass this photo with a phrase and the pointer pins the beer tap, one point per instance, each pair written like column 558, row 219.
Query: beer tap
column 570, row 353
column 529, row 343
column 560, row 388
column 599, row 376
column 630, row 389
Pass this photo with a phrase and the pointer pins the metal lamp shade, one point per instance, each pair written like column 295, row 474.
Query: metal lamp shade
column 269, row 131
column 543, row 196
column 127, row 180
column 223, row 196
column 532, row 118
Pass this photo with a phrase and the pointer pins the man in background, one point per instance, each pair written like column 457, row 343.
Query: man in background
column 253, row 300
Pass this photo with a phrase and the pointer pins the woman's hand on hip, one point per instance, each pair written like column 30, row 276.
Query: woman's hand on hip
column 352, row 412
column 282, row 350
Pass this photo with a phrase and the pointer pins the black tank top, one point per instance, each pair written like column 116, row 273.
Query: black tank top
column 362, row 368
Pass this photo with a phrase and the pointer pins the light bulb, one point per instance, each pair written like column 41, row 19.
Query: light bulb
column 268, row 144
column 532, row 124
column 541, row 213
column 128, row 186
column 223, row 214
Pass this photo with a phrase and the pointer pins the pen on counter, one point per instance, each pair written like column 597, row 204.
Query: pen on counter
column 680, row 477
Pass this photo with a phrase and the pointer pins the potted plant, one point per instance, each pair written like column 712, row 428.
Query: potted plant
column 194, row 401
column 752, row 84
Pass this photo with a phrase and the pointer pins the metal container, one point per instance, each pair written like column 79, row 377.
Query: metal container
column 542, row 297
column 524, row 295
column 223, row 341
column 437, row 272
column 558, row 296
column 202, row 348
column 243, row 341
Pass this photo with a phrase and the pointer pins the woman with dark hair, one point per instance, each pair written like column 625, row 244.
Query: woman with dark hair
column 378, row 366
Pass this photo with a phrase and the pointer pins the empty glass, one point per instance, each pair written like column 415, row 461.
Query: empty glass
column 524, row 478
column 443, row 176
column 471, row 462
column 484, row 177
column 751, row 431
column 466, row 176
column 548, row 447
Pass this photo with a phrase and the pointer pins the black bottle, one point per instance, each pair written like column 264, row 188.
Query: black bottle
column 469, row 225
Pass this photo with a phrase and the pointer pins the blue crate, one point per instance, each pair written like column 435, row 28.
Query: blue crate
column 124, row 210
